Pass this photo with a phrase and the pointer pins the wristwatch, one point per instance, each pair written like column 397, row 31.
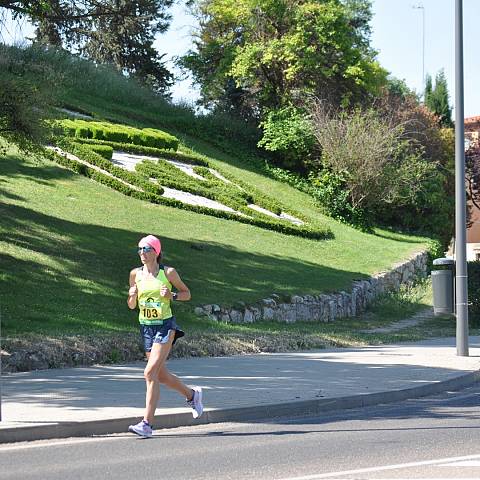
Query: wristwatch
column 174, row 295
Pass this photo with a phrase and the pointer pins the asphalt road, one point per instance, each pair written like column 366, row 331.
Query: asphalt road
column 430, row 438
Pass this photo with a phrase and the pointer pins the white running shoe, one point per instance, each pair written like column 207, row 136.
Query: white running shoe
column 143, row 429
column 196, row 402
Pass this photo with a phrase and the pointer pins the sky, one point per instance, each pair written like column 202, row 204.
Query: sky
column 397, row 32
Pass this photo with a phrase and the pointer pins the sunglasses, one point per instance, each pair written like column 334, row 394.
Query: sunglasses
column 145, row 249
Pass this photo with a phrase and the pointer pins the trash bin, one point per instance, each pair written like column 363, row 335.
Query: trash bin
column 443, row 285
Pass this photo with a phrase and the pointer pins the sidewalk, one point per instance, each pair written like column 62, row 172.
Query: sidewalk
column 106, row 399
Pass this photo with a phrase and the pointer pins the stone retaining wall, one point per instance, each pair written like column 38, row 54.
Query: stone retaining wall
column 324, row 307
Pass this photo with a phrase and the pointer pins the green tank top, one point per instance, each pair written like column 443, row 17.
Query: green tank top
column 153, row 308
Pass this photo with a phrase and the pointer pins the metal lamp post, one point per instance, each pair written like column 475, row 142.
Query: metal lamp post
column 461, row 284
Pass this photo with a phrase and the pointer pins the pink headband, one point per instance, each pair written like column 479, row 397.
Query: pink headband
column 154, row 242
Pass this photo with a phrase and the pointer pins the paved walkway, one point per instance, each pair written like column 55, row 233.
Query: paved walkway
column 106, row 399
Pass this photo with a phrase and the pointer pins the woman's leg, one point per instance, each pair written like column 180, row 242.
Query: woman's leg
column 156, row 360
column 173, row 382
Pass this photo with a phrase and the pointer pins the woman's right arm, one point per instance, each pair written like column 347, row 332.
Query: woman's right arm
column 132, row 292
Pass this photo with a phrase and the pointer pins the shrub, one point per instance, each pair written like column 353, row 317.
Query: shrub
column 115, row 135
column 331, row 191
column 83, row 132
column 104, row 150
column 204, row 172
column 213, row 188
column 190, row 158
column 435, row 249
column 387, row 177
column 174, row 178
column 293, row 179
column 289, row 134
column 97, row 133
column 170, row 176
column 120, row 133
column 474, row 293
column 24, row 102
column 85, row 153
column 69, row 127
column 158, row 139
column 250, row 194
column 358, row 146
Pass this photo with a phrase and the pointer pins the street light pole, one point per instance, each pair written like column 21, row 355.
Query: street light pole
column 422, row 8
column 461, row 284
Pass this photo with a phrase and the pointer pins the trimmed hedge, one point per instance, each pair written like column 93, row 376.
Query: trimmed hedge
column 85, row 153
column 170, row 176
column 201, row 167
column 148, row 137
column 274, row 225
column 90, row 172
column 191, row 159
column 104, row 150
column 255, row 196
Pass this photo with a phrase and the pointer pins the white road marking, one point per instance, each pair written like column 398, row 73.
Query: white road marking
column 466, row 463
column 385, row 467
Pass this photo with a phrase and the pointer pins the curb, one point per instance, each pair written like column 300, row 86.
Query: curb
column 239, row 414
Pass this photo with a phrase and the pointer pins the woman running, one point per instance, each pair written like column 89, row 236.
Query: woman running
column 151, row 288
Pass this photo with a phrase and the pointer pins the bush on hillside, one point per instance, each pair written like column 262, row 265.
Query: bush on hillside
column 190, row 158
column 87, row 154
column 214, row 189
column 183, row 182
column 330, row 190
column 148, row 137
column 386, row 174
column 174, row 178
column 23, row 102
column 90, row 172
column 227, row 132
column 474, row 293
column 424, row 130
column 288, row 134
column 104, row 150
column 170, row 176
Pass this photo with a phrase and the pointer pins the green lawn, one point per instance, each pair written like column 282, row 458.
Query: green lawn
column 67, row 245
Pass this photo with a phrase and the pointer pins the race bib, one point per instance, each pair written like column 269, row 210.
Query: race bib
column 150, row 310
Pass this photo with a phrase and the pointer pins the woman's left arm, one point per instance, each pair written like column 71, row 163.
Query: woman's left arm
column 183, row 292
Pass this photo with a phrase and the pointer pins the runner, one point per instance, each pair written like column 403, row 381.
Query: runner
column 151, row 288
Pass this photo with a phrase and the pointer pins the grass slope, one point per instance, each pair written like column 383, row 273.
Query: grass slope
column 68, row 243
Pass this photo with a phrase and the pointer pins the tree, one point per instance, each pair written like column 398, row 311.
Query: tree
column 277, row 52
column 119, row 32
column 57, row 11
column 125, row 39
column 23, row 103
column 437, row 99
column 472, row 177
column 428, row 89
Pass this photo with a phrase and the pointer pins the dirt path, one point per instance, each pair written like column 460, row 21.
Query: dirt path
column 417, row 319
